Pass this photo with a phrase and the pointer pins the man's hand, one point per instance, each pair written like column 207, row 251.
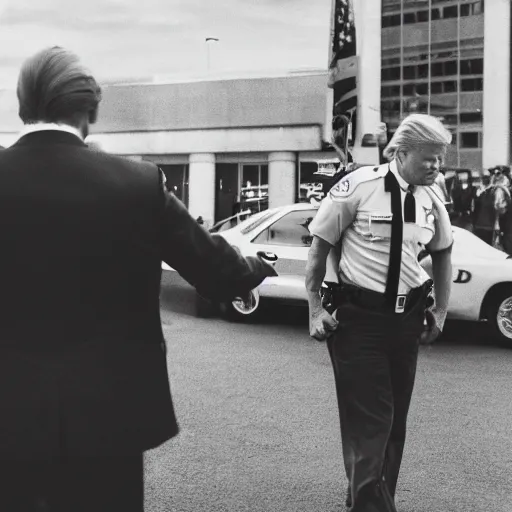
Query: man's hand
column 321, row 325
column 431, row 331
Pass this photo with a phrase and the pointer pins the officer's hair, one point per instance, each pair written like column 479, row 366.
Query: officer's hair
column 54, row 87
column 416, row 130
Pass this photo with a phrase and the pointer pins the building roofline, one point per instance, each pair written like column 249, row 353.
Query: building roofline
column 225, row 76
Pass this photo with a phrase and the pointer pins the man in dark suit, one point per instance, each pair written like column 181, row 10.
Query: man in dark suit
column 84, row 388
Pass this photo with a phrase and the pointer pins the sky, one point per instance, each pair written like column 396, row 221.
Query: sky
column 122, row 40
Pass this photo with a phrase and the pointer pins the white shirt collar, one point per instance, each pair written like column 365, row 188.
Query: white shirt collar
column 39, row 127
column 394, row 169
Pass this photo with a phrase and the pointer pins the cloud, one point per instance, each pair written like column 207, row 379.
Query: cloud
column 119, row 38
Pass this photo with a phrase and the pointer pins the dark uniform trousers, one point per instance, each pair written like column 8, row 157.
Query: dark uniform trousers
column 80, row 484
column 374, row 357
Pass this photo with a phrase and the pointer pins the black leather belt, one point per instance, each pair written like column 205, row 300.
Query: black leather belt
column 369, row 299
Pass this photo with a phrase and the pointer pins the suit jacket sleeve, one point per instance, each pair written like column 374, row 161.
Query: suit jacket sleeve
column 207, row 262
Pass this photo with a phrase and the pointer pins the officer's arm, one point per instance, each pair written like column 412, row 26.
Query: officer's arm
column 442, row 275
column 315, row 272
column 335, row 214
column 207, row 262
column 440, row 249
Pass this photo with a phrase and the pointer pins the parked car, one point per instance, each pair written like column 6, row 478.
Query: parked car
column 482, row 275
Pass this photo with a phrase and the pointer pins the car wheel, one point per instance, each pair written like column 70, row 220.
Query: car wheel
column 243, row 309
column 499, row 315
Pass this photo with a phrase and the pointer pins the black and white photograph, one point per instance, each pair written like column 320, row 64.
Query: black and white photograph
column 256, row 256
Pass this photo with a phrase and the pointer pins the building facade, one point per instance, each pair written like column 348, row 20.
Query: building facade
column 249, row 143
column 225, row 145
column 451, row 58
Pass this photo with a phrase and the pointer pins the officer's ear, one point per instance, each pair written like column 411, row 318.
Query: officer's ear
column 400, row 155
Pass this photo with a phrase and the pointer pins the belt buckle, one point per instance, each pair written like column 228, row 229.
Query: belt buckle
column 400, row 303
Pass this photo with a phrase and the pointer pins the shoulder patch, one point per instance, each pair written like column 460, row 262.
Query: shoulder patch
column 346, row 186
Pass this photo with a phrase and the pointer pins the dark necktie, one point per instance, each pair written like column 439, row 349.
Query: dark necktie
column 410, row 205
column 395, row 251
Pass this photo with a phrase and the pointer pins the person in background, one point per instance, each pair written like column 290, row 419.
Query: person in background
column 491, row 203
column 84, row 387
column 502, row 206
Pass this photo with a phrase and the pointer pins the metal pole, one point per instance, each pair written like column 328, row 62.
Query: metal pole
column 429, row 55
column 402, row 95
column 208, row 41
column 458, row 85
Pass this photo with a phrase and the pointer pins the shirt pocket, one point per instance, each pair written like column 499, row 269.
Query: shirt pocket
column 374, row 225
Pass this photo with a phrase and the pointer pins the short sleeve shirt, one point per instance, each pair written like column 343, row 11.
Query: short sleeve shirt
column 357, row 213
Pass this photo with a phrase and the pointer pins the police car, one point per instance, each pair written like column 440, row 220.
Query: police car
column 482, row 275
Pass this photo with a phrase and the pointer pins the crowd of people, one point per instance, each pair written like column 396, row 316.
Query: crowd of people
column 485, row 208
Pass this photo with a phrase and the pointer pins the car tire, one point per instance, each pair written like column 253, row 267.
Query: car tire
column 499, row 315
column 243, row 311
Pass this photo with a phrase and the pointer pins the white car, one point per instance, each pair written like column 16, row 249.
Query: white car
column 482, row 275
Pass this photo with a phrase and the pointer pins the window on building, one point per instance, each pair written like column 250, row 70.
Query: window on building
column 466, row 9
column 409, row 72
column 176, row 176
column 422, row 16
column 471, row 84
column 291, row 230
column 422, row 89
column 409, row 18
column 390, row 90
column 436, row 69
column 423, row 71
column 254, row 190
column 478, row 7
column 472, row 67
column 436, row 14
column 450, row 86
column 450, row 12
column 409, row 89
column 309, row 184
column 388, row 74
column 471, row 117
column 454, row 139
column 470, row 140
column 436, row 87
column 450, row 119
column 392, row 20
column 450, row 67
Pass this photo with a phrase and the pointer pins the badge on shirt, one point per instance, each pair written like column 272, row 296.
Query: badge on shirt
column 429, row 215
column 342, row 188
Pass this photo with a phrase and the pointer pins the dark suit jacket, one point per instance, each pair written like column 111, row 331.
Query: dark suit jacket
column 82, row 356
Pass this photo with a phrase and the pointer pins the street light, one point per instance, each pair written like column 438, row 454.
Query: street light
column 209, row 41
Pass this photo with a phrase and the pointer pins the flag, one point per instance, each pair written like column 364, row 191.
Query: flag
column 342, row 72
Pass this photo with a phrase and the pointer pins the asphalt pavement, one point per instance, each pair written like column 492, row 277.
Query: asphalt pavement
column 260, row 431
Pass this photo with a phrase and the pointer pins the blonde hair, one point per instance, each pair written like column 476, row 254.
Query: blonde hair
column 53, row 86
column 416, row 130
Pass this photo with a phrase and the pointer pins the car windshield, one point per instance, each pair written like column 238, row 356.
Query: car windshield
column 255, row 220
column 230, row 222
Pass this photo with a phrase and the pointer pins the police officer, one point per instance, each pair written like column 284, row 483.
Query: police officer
column 383, row 217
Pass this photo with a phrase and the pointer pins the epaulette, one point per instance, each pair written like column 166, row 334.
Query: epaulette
column 346, row 186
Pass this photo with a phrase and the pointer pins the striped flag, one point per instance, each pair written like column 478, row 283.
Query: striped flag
column 342, row 72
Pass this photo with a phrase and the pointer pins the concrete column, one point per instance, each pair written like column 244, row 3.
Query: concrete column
column 282, row 183
column 368, row 18
column 201, row 186
column 496, row 104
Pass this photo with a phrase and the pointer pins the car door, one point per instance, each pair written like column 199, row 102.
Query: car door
column 289, row 239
